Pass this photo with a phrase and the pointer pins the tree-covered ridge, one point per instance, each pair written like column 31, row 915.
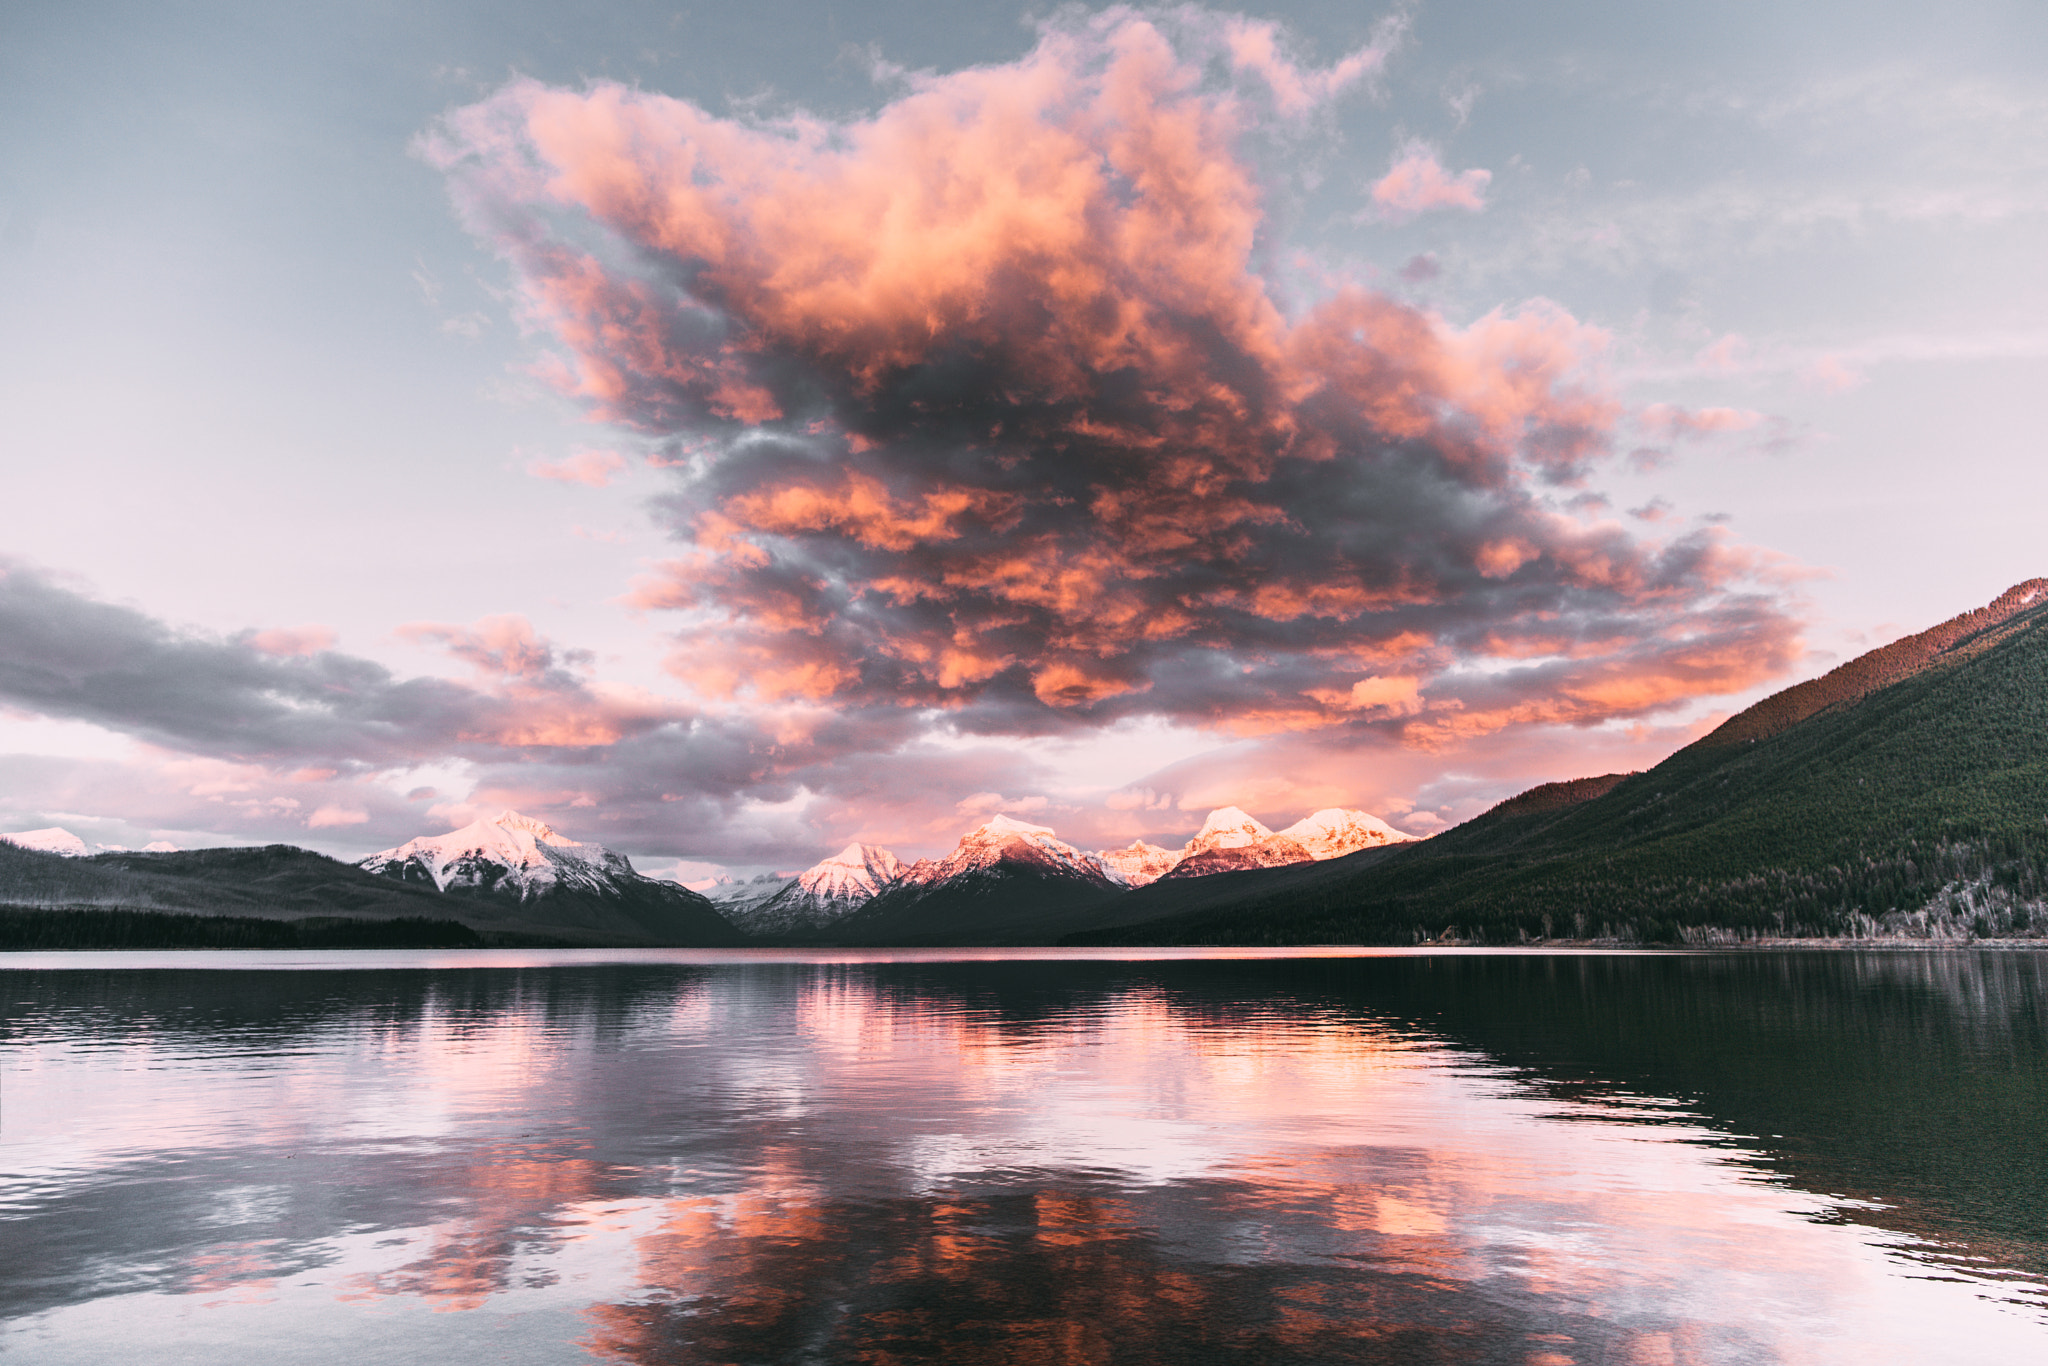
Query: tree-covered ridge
column 1918, row 806
column 1952, row 640
column 100, row 927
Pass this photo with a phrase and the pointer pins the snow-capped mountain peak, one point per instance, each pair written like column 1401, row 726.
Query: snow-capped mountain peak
column 824, row 892
column 527, row 854
column 1138, row 863
column 1232, row 839
column 858, row 870
column 1005, row 839
column 1227, row 827
column 53, row 839
column 565, row 889
column 1335, row 831
column 997, row 826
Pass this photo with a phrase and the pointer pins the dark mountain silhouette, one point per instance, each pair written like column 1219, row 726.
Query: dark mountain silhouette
column 281, row 883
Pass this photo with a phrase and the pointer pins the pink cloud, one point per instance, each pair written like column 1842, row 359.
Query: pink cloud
column 333, row 817
column 505, row 646
column 1667, row 420
column 1418, row 182
column 595, row 468
column 1256, row 45
column 1045, row 453
column 1833, row 373
column 289, row 641
column 1727, row 354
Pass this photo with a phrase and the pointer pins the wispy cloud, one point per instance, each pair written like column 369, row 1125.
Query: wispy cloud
column 1417, row 182
column 595, row 468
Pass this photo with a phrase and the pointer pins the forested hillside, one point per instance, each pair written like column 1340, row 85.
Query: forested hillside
column 1905, row 793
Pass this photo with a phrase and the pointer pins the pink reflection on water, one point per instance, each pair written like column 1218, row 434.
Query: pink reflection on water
column 743, row 1162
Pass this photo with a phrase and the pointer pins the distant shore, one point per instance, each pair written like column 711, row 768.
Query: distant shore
column 29, row 930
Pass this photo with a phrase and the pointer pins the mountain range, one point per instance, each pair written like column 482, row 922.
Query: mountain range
column 512, row 879
column 1904, row 794
column 1008, row 877
column 55, row 839
column 508, row 881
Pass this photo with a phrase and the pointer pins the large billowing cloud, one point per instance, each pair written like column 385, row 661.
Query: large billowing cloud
column 983, row 404
column 985, row 420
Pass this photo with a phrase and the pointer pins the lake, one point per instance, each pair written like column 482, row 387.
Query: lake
column 1153, row 1156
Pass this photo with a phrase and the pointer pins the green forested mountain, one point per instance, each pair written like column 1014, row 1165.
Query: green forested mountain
column 1905, row 792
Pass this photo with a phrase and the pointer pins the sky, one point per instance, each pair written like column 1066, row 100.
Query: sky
column 731, row 432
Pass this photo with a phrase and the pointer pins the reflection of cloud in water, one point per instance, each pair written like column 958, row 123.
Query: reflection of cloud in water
column 983, row 1164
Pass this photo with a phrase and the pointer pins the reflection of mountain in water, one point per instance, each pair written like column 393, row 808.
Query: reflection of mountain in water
column 773, row 1141
column 1916, row 1081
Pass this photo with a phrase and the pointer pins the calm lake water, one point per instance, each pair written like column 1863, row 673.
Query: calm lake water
column 736, row 1157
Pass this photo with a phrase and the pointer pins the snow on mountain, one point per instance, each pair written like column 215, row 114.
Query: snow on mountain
column 1334, row 832
column 56, row 839
column 855, row 873
column 1227, row 827
column 49, row 840
column 1231, row 839
column 1003, row 839
column 824, row 892
column 510, row 853
column 1006, row 882
column 1138, row 863
column 736, row 899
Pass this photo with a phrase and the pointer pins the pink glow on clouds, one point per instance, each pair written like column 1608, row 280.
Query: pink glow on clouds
column 502, row 646
column 1044, row 445
column 1255, row 45
column 1667, row 420
column 1726, row 354
column 1834, row 374
column 981, row 407
column 1418, row 182
column 290, row 641
column 595, row 468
